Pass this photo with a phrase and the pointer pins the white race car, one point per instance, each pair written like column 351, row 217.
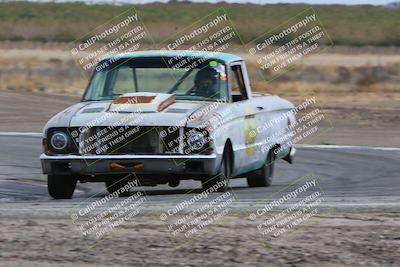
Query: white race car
column 159, row 117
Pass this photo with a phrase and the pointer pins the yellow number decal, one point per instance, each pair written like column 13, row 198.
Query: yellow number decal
column 250, row 130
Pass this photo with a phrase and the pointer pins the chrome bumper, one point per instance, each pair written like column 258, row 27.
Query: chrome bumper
column 108, row 164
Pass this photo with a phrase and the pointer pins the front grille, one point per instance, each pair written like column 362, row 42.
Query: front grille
column 119, row 140
column 103, row 140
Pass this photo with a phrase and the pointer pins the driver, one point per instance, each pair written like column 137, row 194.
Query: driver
column 204, row 83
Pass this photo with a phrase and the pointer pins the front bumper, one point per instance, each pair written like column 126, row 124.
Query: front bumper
column 141, row 164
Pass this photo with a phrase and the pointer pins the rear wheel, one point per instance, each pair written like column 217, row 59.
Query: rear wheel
column 222, row 179
column 263, row 176
column 61, row 186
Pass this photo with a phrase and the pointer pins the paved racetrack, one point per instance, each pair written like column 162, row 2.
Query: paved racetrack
column 350, row 177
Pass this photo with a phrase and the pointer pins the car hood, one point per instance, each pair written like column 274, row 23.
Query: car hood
column 97, row 113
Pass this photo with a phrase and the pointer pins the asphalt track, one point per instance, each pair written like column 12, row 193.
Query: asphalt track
column 350, row 177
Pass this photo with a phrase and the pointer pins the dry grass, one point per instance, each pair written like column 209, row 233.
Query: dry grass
column 38, row 83
column 48, row 68
column 347, row 25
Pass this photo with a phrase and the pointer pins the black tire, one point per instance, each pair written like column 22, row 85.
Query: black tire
column 61, row 186
column 263, row 177
column 224, row 175
column 113, row 186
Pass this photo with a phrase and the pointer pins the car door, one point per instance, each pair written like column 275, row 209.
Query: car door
column 246, row 150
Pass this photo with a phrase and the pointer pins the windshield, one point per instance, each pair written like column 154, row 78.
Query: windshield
column 191, row 81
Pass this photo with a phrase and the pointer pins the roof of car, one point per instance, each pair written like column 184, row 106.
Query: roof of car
column 225, row 57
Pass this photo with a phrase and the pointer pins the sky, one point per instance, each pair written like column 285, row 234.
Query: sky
column 343, row 2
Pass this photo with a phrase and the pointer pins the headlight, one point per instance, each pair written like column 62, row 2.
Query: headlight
column 59, row 140
column 196, row 141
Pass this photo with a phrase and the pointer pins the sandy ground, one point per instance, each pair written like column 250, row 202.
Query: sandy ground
column 338, row 239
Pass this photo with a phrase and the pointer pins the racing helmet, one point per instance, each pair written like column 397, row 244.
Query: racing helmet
column 206, row 73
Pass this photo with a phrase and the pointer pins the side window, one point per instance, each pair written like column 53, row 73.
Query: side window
column 238, row 88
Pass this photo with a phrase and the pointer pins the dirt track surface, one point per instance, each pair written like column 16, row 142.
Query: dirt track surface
column 28, row 112
column 366, row 239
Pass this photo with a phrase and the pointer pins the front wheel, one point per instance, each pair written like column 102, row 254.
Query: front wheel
column 222, row 179
column 61, row 186
column 263, row 176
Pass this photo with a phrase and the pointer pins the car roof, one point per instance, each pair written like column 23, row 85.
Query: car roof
column 225, row 57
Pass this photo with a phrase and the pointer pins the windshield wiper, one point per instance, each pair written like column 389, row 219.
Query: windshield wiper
column 175, row 87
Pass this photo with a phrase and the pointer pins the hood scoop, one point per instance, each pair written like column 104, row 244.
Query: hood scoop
column 92, row 110
column 142, row 102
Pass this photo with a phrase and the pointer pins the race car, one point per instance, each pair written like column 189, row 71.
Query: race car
column 159, row 117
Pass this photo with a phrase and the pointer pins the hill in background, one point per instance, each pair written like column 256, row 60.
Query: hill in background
column 65, row 22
